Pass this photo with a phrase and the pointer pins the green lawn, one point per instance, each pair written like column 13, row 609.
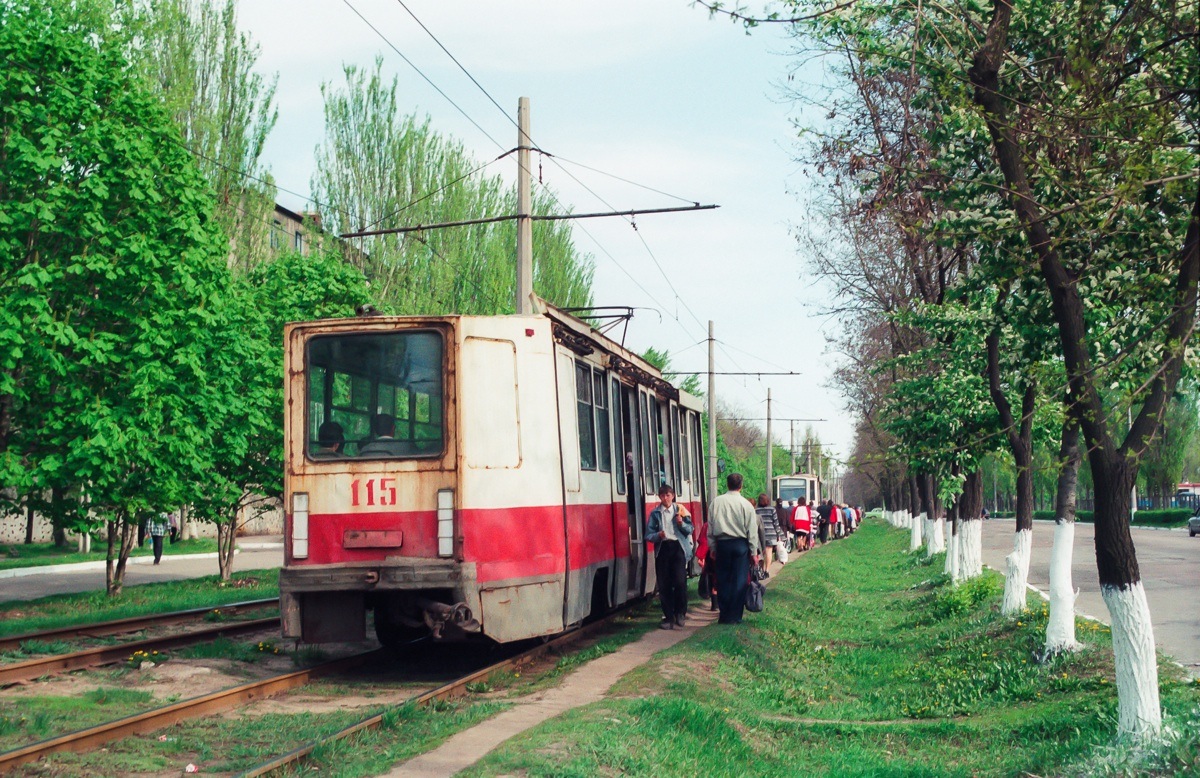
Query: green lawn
column 38, row 554
column 64, row 610
column 864, row 663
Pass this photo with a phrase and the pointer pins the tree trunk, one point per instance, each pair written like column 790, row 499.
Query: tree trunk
column 1060, row 629
column 120, row 544
column 914, row 513
column 951, row 566
column 28, row 521
column 226, row 534
column 970, row 528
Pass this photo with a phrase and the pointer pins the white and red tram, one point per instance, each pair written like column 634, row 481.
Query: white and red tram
column 510, row 498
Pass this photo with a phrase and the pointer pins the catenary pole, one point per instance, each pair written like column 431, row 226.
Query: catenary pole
column 712, row 415
column 524, row 211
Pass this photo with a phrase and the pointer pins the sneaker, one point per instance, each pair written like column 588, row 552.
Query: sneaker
column 679, row 621
column 664, row 624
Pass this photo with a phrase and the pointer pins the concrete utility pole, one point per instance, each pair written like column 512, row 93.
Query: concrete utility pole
column 712, row 416
column 792, row 444
column 524, row 211
column 770, row 451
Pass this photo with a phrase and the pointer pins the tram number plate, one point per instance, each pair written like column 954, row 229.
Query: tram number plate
column 373, row 491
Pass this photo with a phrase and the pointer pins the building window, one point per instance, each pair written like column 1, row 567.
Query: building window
column 299, row 241
column 276, row 232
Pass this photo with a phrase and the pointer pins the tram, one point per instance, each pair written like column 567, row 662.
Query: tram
column 790, row 488
column 462, row 476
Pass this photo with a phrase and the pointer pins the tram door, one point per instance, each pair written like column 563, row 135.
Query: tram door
column 635, row 501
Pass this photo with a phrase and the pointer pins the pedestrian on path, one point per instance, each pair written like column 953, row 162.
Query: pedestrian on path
column 671, row 532
column 733, row 532
column 769, row 526
column 160, row 525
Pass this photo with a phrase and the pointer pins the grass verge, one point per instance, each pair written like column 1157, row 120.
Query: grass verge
column 861, row 664
column 65, row 610
column 15, row 555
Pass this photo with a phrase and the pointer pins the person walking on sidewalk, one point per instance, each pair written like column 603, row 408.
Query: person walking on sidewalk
column 160, row 525
column 733, row 532
column 671, row 532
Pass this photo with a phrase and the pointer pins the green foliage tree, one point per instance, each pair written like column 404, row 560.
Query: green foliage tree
column 247, row 374
column 202, row 67
column 379, row 169
column 111, row 268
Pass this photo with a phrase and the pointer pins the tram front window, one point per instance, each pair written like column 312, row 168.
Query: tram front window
column 384, row 392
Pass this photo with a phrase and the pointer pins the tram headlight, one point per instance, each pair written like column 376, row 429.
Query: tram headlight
column 445, row 514
column 300, row 525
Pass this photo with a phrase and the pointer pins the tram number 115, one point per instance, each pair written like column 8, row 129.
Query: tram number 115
column 373, row 491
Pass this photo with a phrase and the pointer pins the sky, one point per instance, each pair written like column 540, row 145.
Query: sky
column 652, row 91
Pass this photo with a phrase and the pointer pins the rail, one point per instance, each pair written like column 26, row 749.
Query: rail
column 93, row 657
column 132, row 624
column 142, row 723
column 452, row 689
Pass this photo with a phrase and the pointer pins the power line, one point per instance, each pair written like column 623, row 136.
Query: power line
column 420, row 73
column 737, row 373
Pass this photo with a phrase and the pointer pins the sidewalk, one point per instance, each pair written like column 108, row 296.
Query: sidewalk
column 257, row 543
column 30, row 583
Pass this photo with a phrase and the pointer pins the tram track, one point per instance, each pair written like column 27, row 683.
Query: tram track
column 234, row 697
column 152, row 720
column 132, row 624
column 102, row 655
column 447, row 691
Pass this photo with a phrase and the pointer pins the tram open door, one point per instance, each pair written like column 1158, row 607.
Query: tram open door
column 635, row 501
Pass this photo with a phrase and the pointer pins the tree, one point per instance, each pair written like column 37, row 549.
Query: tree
column 379, row 169
column 1125, row 108
column 111, row 264
column 203, row 69
column 247, row 429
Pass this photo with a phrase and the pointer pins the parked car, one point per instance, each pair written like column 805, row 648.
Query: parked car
column 1194, row 524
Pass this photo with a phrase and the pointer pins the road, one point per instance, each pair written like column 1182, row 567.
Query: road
column 1170, row 565
column 251, row 556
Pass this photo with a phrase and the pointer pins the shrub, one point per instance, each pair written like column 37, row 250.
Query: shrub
column 964, row 598
column 1150, row 518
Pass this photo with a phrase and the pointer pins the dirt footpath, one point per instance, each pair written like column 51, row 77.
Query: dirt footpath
column 584, row 685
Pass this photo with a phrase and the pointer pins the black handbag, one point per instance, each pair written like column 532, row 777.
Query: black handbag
column 754, row 596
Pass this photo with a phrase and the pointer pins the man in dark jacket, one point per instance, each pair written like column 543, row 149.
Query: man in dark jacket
column 823, row 512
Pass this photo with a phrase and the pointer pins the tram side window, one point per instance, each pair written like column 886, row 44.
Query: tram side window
column 383, row 391
column 603, row 441
column 587, row 423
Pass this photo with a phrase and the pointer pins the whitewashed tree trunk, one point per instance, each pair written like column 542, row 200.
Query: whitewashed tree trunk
column 1060, row 629
column 952, row 556
column 970, row 549
column 1016, row 574
column 937, row 540
column 914, row 538
column 1139, row 714
column 84, row 543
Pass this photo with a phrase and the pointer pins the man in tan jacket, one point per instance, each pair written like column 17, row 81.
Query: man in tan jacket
column 733, row 533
